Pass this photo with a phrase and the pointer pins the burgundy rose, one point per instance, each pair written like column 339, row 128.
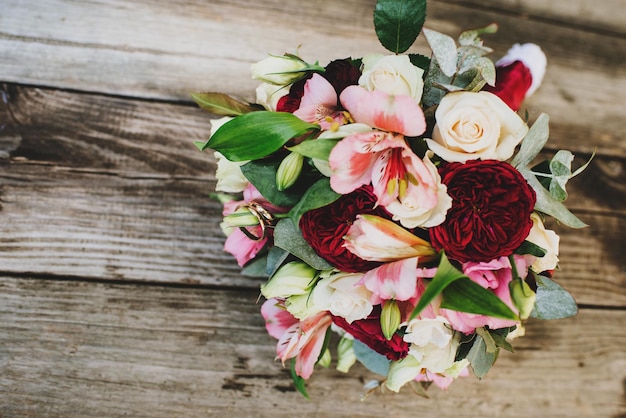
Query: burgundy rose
column 512, row 83
column 341, row 74
column 291, row 101
column 324, row 229
column 490, row 213
column 369, row 332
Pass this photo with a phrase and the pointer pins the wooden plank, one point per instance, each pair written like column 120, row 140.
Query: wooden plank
column 78, row 349
column 156, row 50
column 604, row 16
column 102, row 187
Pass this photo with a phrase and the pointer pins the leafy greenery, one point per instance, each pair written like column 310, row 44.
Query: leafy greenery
column 399, row 22
column 298, row 381
column 288, row 237
column 553, row 302
column 373, row 361
column 222, row 104
column 256, row 135
column 318, row 195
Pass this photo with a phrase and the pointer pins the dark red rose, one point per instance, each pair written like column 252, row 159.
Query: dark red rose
column 324, row 229
column 291, row 101
column 369, row 332
column 341, row 74
column 512, row 83
column 490, row 213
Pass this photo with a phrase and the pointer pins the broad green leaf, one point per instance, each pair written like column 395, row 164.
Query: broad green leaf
column 464, row 295
column 399, row 22
column 501, row 342
column 298, row 381
column 319, row 148
column 373, row 361
column 256, row 135
column 528, row 247
column 471, row 37
column 256, row 268
column 553, row 302
column 533, row 142
column 318, row 195
column 479, row 358
column 222, row 104
column 444, row 50
column 420, row 61
column 288, row 237
column 446, row 274
column 262, row 174
column 548, row 205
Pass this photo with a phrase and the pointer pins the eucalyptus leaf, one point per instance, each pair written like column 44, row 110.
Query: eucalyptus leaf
column 276, row 256
column 444, row 50
column 373, row 361
column 256, row 135
column 288, row 237
column 434, row 78
column 548, row 205
column 501, row 342
column 561, row 169
column 553, row 302
column 318, row 195
column 464, row 295
column 399, row 22
column 528, row 247
column 533, row 142
column 490, row 344
column 222, row 104
column 256, row 268
column 479, row 358
column 471, row 37
column 319, row 148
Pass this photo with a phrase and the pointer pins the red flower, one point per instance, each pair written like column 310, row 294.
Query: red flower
column 512, row 83
column 341, row 74
column 490, row 214
column 324, row 229
column 369, row 332
column 291, row 101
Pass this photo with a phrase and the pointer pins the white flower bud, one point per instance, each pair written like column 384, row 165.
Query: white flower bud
column 289, row 170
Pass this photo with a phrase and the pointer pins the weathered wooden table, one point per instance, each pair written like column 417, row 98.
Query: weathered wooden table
column 116, row 298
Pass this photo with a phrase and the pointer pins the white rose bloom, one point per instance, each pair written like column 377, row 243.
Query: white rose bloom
column 546, row 239
column 268, row 95
column 339, row 293
column 473, row 126
column 433, row 343
column 393, row 74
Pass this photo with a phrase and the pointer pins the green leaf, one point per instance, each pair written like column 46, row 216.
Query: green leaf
column 373, row 361
column 528, row 247
column 464, row 295
column 399, row 22
column 288, row 237
column 480, row 359
column 318, row 195
column 561, row 169
column 222, row 104
column 319, row 148
column 262, row 174
column 446, row 274
column 256, row 268
column 276, row 256
column 256, row 135
column 471, row 37
column 553, row 302
column 547, row 204
column 533, row 142
column 420, row 61
column 501, row 341
column 298, row 381
column 444, row 50
column 490, row 344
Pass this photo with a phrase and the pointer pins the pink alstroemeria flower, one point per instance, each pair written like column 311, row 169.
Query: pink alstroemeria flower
column 319, row 104
column 300, row 339
column 374, row 238
column 399, row 114
column 382, row 157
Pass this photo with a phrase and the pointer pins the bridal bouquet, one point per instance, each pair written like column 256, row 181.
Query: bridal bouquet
column 395, row 203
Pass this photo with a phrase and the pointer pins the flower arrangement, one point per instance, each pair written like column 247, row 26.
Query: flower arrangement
column 395, row 202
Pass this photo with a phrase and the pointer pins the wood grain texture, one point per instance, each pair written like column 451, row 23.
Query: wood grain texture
column 157, row 50
column 92, row 350
column 103, row 187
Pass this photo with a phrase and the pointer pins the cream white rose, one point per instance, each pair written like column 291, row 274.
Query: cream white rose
column 340, row 294
column 268, row 95
column 471, row 126
column 393, row 74
column 433, row 343
column 546, row 239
